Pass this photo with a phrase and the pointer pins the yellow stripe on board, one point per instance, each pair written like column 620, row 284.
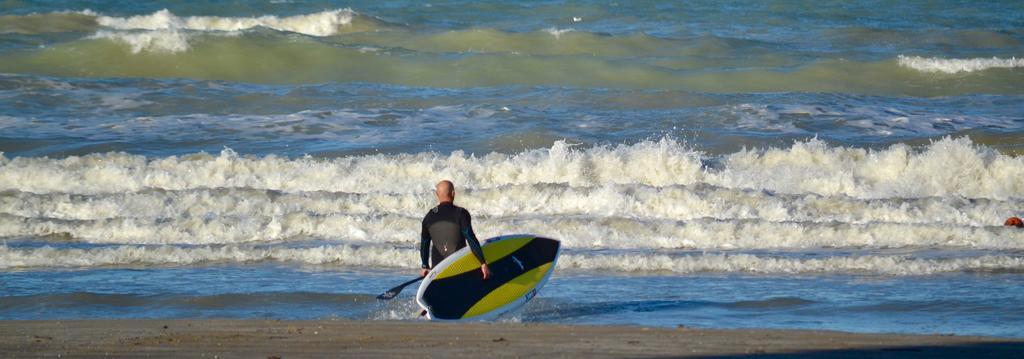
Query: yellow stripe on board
column 509, row 292
column 492, row 252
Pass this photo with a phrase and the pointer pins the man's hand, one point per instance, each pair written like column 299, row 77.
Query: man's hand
column 423, row 272
column 486, row 271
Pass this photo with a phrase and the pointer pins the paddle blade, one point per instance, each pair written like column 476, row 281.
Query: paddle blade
column 393, row 292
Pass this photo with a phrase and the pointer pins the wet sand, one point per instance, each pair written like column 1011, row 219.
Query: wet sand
column 216, row 338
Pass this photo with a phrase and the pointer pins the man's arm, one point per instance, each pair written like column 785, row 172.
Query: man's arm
column 474, row 244
column 424, row 248
column 467, row 232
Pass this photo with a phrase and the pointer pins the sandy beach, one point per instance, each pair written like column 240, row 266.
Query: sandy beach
column 344, row 338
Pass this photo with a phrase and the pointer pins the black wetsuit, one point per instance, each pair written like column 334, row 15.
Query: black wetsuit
column 449, row 228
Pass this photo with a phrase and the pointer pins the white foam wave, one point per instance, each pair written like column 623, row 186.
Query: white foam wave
column 949, row 167
column 946, row 168
column 167, row 41
column 656, row 163
column 162, row 31
column 952, row 66
column 603, row 217
column 682, row 203
column 324, row 23
column 18, row 258
column 217, row 229
column 170, row 255
column 585, row 232
column 557, row 33
column 747, row 263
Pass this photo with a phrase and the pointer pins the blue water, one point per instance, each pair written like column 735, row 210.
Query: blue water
column 836, row 165
column 944, row 304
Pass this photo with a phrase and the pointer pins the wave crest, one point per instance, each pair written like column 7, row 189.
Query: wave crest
column 948, row 167
column 325, row 23
column 953, row 66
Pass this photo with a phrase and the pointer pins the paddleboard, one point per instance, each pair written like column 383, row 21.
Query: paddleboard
column 520, row 265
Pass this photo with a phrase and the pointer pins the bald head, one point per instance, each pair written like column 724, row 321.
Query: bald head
column 445, row 191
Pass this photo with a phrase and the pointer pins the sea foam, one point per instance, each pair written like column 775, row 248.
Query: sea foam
column 617, row 217
column 323, row 23
column 556, row 32
column 169, row 41
column 651, row 195
column 163, row 31
column 948, row 167
column 953, row 66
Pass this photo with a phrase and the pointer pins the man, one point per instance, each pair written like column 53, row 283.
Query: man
column 448, row 228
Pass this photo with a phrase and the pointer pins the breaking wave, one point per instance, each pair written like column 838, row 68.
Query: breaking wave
column 324, row 23
column 953, row 66
column 945, row 168
column 643, row 199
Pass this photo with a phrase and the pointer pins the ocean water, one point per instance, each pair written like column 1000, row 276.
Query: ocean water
column 827, row 165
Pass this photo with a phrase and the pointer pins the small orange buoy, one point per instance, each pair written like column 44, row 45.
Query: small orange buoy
column 1014, row 221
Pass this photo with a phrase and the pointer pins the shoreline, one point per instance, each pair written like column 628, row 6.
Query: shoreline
column 253, row 338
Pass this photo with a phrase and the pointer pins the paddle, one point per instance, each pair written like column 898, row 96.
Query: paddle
column 391, row 293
